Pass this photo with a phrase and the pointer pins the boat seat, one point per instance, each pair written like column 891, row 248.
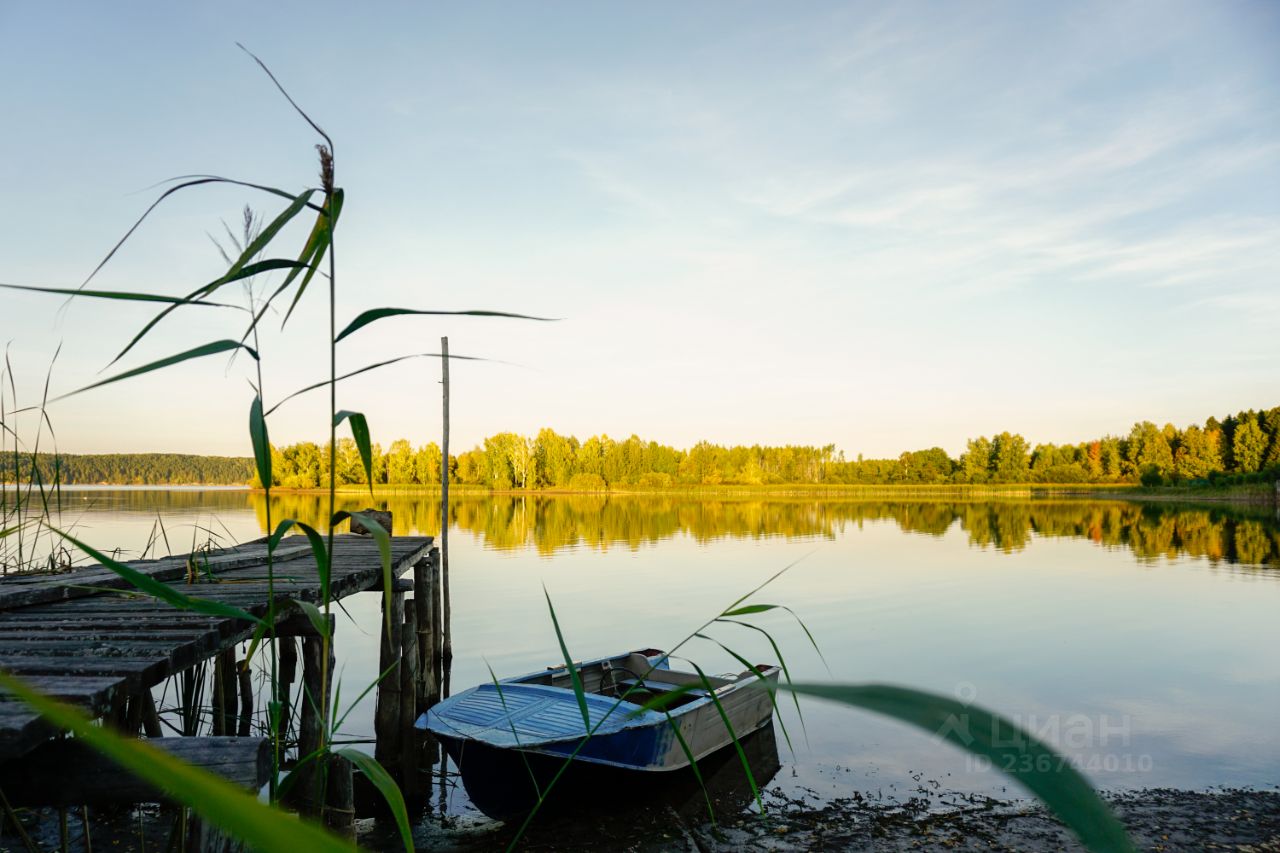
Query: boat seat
column 656, row 686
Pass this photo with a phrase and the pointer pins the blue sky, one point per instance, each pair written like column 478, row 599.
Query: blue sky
column 885, row 226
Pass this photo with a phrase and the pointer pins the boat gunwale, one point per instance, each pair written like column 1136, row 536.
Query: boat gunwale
column 433, row 721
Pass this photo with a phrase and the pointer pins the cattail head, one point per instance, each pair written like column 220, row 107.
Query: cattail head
column 326, row 168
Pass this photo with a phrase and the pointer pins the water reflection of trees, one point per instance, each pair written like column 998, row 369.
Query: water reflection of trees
column 552, row 523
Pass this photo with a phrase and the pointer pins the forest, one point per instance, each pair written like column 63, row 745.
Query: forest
column 129, row 469
column 1243, row 446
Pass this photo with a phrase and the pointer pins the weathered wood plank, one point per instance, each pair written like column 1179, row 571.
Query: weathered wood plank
column 23, row 591
column 135, row 671
column 21, row 728
column 98, row 648
column 67, row 772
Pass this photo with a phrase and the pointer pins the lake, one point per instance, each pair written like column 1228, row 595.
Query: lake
column 1140, row 639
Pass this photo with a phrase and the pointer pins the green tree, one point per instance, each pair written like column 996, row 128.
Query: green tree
column 975, row 463
column 400, row 463
column 1148, row 448
column 1009, row 458
column 553, row 459
column 426, row 464
column 590, row 458
column 1270, row 423
column 1198, row 454
column 1249, row 446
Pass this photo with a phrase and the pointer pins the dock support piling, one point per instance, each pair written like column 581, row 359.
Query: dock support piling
column 408, row 676
column 437, row 637
column 224, row 692
column 425, row 637
column 310, row 735
column 133, row 719
column 340, row 809
column 288, row 669
column 386, row 715
column 150, row 716
column 244, row 675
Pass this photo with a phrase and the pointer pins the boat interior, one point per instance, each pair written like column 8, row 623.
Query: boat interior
column 639, row 676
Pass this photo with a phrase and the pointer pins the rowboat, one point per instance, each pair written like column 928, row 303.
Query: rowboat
column 510, row 737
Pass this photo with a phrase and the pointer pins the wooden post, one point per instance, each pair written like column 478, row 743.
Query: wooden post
column 245, row 675
column 408, row 677
column 133, row 719
column 386, row 714
column 447, row 644
column 309, row 731
column 437, row 639
column 340, row 808
column 422, row 622
column 225, row 683
column 150, row 716
column 288, row 670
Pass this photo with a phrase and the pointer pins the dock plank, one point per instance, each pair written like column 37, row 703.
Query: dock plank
column 86, row 646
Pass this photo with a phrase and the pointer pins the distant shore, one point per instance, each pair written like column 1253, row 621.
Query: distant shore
column 1252, row 494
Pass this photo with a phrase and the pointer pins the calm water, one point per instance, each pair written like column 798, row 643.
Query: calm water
column 1142, row 640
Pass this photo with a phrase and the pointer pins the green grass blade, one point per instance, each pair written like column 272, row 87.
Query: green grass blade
column 375, row 366
column 267, row 234
column 693, row 765
column 733, row 735
column 382, row 780
column 773, row 577
column 360, row 432
column 197, row 352
column 213, row 798
column 286, row 94
column 261, row 442
column 326, row 222
column 782, row 662
column 318, row 549
column 307, row 259
column 383, row 538
column 363, row 693
column 195, row 296
column 1044, row 772
column 749, row 609
column 661, row 701
column 291, row 779
column 312, row 613
column 254, row 642
column 120, row 295
column 760, row 676
column 374, row 314
column 188, row 181
column 497, row 685
column 812, row 641
column 576, row 679
column 159, row 590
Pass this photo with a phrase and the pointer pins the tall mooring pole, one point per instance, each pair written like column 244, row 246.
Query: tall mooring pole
column 446, row 651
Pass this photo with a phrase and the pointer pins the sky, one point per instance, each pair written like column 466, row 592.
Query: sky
column 883, row 226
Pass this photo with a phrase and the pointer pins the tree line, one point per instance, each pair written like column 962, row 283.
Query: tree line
column 1245, row 445
column 129, row 469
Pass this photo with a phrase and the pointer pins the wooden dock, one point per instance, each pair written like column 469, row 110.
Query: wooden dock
column 88, row 638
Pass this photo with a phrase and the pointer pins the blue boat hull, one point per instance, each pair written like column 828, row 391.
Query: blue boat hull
column 500, row 782
column 510, row 738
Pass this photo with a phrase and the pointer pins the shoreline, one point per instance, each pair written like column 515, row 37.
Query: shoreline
column 1155, row 818
column 1249, row 495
